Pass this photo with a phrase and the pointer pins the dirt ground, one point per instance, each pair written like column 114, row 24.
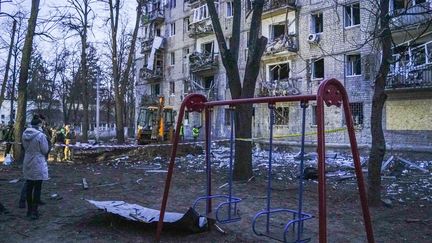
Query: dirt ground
column 130, row 178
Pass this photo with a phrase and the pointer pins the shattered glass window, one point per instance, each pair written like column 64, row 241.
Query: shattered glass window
column 353, row 65
column 318, row 68
column 282, row 116
column 352, row 15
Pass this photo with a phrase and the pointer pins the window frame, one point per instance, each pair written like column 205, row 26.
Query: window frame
column 282, row 120
column 229, row 11
column 172, row 29
column 351, row 66
column 314, row 18
column 350, row 16
column 313, row 61
column 172, row 58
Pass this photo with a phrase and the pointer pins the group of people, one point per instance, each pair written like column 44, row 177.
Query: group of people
column 37, row 142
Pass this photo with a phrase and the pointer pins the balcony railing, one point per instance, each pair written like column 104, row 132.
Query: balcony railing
column 147, row 44
column 157, row 15
column 203, row 61
column 151, row 75
column 281, row 44
column 283, row 87
column 201, row 29
column 410, row 78
column 149, row 100
column 413, row 15
column 271, row 5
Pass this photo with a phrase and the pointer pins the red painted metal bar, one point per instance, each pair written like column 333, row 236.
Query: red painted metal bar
column 330, row 92
column 357, row 164
column 261, row 100
column 322, row 213
column 193, row 102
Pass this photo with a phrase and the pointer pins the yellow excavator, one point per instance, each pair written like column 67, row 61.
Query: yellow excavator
column 155, row 122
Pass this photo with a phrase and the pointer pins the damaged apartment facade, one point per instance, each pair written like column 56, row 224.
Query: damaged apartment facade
column 308, row 41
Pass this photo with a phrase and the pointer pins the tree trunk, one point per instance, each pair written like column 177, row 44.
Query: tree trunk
column 256, row 45
column 243, row 149
column 378, row 148
column 6, row 75
column 22, row 82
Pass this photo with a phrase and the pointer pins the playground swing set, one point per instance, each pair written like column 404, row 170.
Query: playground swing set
column 331, row 93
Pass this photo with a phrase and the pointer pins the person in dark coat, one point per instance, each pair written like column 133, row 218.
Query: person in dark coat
column 35, row 167
column 9, row 138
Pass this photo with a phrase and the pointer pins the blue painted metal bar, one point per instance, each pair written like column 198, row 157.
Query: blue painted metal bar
column 269, row 183
column 303, row 105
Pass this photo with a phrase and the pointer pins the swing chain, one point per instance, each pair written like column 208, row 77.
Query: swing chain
column 304, row 104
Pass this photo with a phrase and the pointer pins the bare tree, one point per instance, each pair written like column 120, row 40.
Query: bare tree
column 8, row 61
column 22, row 83
column 121, row 76
column 256, row 47
column 81, row 22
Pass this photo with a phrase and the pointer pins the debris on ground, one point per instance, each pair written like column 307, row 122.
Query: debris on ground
column 190, row 221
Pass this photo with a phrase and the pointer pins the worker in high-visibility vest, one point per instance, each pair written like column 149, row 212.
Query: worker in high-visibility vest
column 182, row 133
column 196, row 132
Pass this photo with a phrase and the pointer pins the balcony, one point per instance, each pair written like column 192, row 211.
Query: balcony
column 147, row 100
column 201, row 29
column 151, row 75
column 147, row 44
column 157, row 16
column 282, row 44
column 199, row 62
column 406, row 78
column 274, row 7
column 283, row 87
column 411, row 15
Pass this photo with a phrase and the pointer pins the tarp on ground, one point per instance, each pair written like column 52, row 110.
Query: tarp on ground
column 191, row 221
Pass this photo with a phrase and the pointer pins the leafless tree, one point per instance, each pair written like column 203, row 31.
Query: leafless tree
column 256, row 47
column 121, row 76
column 22, row 83
column 80, row 22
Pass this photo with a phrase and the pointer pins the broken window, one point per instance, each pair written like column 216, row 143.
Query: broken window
column 185, row 86
column 317, row 23
column 352, row 15
column 228, row 117
column 229, row 9
column 357, row 113
column 279, row 71
column 155, row 89
column 208, row 82
column 353, row 65
column 172, row 58
column 314, row 115
column 158, row 31
column 207, row 47
column 186, row 24
column 276, row 31
column 418, row 55
column 173, row 3
column 282, row 116
column 172, row 88
column 172, row 29
column 318, row 68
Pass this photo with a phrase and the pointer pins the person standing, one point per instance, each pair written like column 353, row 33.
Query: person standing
column 9, row 138
column 196, row 132
column 35, row 167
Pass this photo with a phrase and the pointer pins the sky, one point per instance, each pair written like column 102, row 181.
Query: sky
column 98, row 35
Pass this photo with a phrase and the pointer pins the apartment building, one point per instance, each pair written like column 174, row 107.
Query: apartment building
column 309, row 40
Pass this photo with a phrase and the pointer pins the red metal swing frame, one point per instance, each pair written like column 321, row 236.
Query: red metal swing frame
column 330, row 92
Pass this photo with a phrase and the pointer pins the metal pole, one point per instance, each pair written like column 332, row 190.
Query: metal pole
column 232, row 114
column 97, row 107
column 303, row 105
column 269, row 183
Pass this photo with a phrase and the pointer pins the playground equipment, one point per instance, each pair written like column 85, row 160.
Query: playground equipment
column 330, row 92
